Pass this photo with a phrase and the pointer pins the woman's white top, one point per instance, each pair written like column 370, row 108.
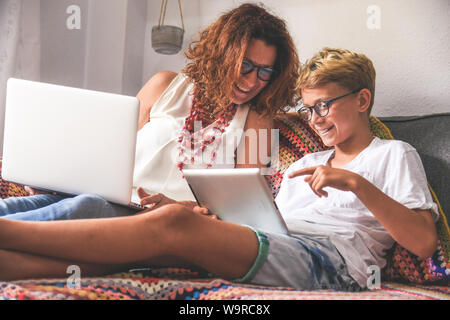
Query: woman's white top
column 157, row 143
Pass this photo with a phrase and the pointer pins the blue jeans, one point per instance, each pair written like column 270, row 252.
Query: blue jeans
column 47, row 207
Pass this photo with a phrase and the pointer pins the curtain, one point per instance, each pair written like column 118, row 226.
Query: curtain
column 93, row 44
column 19, row 46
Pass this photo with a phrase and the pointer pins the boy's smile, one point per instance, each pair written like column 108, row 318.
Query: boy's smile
column 323, row 131
column 334, row 127
column 345, row 125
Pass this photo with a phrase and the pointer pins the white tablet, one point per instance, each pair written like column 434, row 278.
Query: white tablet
column 240, row 196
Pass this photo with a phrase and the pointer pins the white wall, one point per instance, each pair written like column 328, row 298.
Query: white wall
column 62, row 50
column 112, row 51
column 410, row 51
column 105, row 53
column 192, row 16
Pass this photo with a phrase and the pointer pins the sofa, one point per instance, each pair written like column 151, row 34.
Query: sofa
column 405, row 277
column 430, row 135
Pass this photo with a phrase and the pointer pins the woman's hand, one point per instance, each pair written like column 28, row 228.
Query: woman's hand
column 319, row 177
column 158, row 200
column 33, row 192
column 153, row 201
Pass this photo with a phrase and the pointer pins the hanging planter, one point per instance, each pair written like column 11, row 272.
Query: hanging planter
column 167, row 39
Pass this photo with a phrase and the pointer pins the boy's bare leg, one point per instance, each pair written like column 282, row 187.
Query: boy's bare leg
column 222, row 248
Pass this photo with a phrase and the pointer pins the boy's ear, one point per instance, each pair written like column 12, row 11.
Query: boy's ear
column 364, row 98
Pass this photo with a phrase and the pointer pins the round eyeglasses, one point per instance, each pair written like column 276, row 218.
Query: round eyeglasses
column 263, row 73
column 321, row 107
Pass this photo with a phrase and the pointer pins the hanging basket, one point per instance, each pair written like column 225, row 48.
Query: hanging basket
column 167, row 39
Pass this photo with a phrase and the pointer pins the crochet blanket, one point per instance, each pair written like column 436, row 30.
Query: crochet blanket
column 176, row 284
column 424, row 279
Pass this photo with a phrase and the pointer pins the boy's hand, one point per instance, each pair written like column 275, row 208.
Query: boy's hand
column 321, row 176
column 204, row 211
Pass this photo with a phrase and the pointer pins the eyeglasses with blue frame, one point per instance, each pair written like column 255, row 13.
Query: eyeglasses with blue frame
column 321, row 107
column 263, row 73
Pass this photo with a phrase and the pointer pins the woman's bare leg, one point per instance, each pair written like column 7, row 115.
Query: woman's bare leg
column 222, row 248
column 16, row 265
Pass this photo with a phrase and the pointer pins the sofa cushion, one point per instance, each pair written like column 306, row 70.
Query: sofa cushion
column 430, row 135
column 9, row 189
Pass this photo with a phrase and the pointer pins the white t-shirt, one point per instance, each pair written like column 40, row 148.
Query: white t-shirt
column 391, row 165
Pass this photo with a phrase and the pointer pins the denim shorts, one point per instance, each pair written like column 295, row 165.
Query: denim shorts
column 303, row 263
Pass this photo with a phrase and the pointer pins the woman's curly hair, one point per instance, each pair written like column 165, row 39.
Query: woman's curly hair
column 216, row 58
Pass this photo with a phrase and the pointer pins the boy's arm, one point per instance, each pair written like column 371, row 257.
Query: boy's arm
column 413, row 229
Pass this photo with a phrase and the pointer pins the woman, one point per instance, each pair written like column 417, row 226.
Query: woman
column 242, row 71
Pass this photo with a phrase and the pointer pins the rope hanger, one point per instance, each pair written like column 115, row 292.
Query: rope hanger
column 162, row 13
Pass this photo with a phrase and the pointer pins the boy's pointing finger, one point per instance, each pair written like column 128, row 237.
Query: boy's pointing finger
column 302, row 172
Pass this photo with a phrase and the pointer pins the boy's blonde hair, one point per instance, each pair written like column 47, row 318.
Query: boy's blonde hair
column 348, row 69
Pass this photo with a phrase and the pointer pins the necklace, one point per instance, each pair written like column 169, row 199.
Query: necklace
column 193, row 141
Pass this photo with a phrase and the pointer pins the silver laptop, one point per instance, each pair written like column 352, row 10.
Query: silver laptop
column 70, row 140
column 240, row 196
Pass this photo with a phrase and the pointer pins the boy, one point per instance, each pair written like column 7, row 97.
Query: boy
column 365, row 193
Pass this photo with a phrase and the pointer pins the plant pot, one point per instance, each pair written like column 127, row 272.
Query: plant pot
column 167, row 39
